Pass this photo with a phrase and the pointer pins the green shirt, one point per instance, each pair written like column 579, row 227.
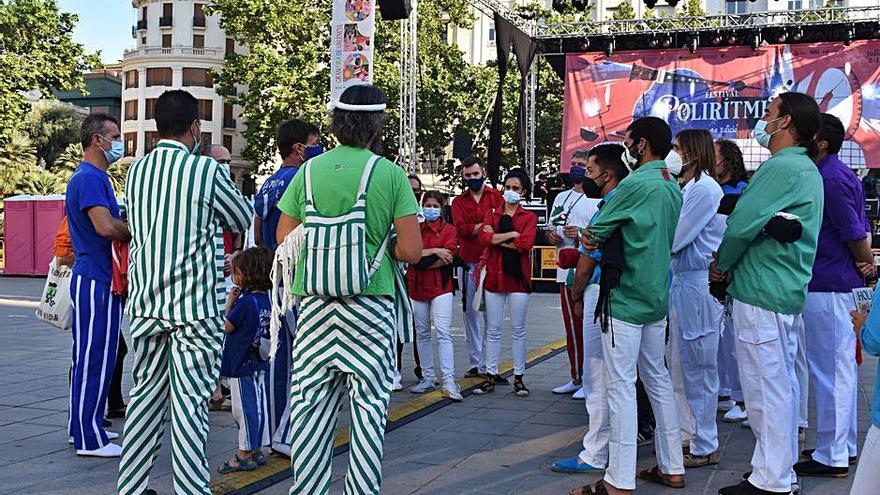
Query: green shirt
column 336, row 176
column 645, row 206
column 177, row 204
column 763, row 271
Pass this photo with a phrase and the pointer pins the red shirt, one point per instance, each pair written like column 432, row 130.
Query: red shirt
column 524, row 222
column 466, row 214
column 425, row 285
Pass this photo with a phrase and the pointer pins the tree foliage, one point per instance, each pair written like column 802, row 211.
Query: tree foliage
column 37, row 52
column 52, row 126
column 624, row 11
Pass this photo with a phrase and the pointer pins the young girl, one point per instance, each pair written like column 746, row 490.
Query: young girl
column 508, row 234
column 430, row 288
column 245, row 355
column 867, row 476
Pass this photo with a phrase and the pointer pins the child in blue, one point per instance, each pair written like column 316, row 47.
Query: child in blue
column 245, row 355
column 867, row 476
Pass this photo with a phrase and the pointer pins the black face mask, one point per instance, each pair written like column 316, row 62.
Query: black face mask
column 591, row 189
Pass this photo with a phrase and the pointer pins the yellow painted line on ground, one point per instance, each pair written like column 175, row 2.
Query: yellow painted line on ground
column 278, row 468
column 19, row 303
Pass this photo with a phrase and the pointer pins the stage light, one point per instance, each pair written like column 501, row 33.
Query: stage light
column 756, row 41
column 731, row 40
column 692, row 43
column 650, row 3
column 716, row 40
column 849, row 36
column 672, row 3
column 877, row 30
column 797, row 34
column 667, row 41
column 653, row 43
column 585, row 44
column 580, row 4
column 559, row 5
column 609, row 47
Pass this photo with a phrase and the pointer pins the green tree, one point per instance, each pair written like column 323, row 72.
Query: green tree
column 624, row 11
column 37, row 52
column 17, row 159
column 52, row 127
column 72, row 156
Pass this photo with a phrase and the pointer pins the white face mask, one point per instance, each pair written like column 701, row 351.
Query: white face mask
column 674, row 163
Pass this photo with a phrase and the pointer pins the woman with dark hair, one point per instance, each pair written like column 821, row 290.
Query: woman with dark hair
column 430, row 283
column 694, row 315
column 768, row 283
column 508, row 235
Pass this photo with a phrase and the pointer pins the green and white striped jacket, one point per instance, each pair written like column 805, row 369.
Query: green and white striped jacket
column 178, row 203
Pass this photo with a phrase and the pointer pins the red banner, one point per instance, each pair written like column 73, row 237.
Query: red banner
column 723, row 90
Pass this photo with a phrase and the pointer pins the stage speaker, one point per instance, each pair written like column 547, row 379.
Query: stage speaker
column 393, row 10
column 461, row 146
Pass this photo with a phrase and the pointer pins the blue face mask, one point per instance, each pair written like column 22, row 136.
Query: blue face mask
column 312, row 151
column 198, row 142
column 116, row 151
column 431, row 214
column 475, row 184
column 577, row 174
column 512, row 197
column 760, row 133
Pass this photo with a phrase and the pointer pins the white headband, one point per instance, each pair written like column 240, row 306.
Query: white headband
column 379, row 107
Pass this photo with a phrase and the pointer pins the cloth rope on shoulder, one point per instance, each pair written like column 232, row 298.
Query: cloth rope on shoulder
column 286, row 257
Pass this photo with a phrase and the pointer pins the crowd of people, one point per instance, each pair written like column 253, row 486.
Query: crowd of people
column 687, row 288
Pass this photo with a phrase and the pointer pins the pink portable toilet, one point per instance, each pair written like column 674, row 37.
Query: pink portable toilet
column 19, row 236
column 48, row 212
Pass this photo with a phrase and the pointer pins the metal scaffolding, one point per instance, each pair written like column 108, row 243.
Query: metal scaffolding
column 407, row 157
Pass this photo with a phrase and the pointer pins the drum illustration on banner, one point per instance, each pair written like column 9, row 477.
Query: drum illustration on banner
column 351, row 44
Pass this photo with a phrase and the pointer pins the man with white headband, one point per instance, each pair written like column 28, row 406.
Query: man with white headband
column 350, row 201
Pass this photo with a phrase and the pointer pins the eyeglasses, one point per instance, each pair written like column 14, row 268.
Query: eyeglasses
column 224, row 162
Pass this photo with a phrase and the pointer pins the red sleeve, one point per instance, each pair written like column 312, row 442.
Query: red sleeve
column 448, row 238
column 465, row 230
column 526, row 240
column 484, row 237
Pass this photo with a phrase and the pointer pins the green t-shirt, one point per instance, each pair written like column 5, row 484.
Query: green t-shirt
column 336, row 176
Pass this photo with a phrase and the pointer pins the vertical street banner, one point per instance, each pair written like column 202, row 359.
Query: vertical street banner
column 725, row 91
column 351, row 44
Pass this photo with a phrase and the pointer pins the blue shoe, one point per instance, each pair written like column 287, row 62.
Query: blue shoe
column 574, row 465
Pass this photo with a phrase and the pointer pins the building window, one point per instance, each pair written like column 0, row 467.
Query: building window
column 206, row 110
column 199, row 15
column 491, row 32
column 131, row 79
column 444, row 35
column 150, row 140
column 230, row 46
column 131, row 110
column 198, row 41
column 206, row 139
column 143, row 40
column 228, row 121
column 227, row 142
column 736, row 7
column 150, row 108
column 197, row 77
column 159, row 76
column 167, row 15
column 795, row 4
column 166, row 41
column 130, row 139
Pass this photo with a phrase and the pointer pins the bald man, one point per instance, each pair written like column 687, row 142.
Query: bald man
column 220, row 153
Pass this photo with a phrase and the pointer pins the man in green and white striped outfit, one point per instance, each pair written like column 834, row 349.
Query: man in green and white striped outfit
column 178, row 202
column 348, row 200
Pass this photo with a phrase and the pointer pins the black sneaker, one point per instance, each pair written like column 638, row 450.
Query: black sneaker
column 816, row 468
column 472, row 373
column 744, row 488
column 519, row 388
column 486, row 387
column 500, row 380
column 807, row 454
column 795, row 487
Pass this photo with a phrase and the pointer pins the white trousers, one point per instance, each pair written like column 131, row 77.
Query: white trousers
column 728, row 370
column 766, row 347
column 694, row 320
column 642, row 344
column 440, row 310
column 473, row 333
column 802, row 372
column 519, row 305
column 831, row 343
column 250, row 408
column 867, row 475
column 595, row 452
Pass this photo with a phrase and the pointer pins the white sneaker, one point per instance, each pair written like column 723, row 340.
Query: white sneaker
column 109, row 450
column 735, row 415
column 424, row 386
column 111, row 435
column 450, row 389
column 567, row 388
column 396, row 386
column 579, row 395
column 726, row 405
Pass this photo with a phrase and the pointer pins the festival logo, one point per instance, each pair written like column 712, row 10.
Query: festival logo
column 354, row 40
column 358, row 10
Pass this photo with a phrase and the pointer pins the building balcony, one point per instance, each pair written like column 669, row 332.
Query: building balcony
column 142, row 25
column 177, row 51
column 166, row 21
column 228, row 123
column 199, row 22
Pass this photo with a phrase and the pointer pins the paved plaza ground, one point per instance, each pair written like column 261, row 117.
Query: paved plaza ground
column 495, row 444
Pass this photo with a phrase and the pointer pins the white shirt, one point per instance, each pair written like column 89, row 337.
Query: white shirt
column 700, row 227
column 578, row 209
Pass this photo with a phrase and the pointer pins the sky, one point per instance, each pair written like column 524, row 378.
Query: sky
column 103, row 25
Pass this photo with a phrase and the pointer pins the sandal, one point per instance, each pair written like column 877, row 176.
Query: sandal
column 519, row 388
column 597, row 488
column 259, row 458
column 248, row 464
column 695, row 461
column 486, row 387
column 654, row 475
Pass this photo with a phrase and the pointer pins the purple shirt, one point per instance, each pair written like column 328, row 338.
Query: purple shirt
column 843, row 220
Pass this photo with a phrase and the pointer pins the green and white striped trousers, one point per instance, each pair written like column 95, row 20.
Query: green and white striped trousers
column 176, row 364
column 340, row 343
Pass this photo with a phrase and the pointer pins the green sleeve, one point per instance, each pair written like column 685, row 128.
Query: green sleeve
column 619, row 210
column 761, row 200
column 293, row 201
column 404, row 202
